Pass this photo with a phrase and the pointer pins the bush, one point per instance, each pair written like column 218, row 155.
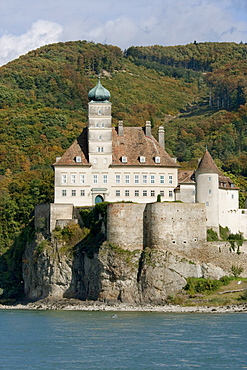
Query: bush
column 224, row 232
column 212, row 235
column 201, row 285
column 236, row 270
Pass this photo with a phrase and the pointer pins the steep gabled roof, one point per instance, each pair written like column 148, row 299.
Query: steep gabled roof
column 186, row 176
column 78, row 148
column 132, row 144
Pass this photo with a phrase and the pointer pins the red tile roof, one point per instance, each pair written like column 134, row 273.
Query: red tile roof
column 186, row 176
column 133, row 144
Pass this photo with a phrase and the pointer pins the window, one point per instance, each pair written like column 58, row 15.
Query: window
column 117, row 179
column 210, row 178
column 117, row 193
column 72, row 179
column 82, row 193
column 127, row 179
column 210, row 192
column 78, row 159
column 105, row 179
column 170, row 193
column 97, row 125
column 124, row 159
column 73, row 193
column 100, row 149
column 100, row 137
column 136, row 193
column 162, row 193
column 82, row 179
column 144, row 193
column 99, row 111
column 127, row 193
column 136, row 179
column 105, row 160
column 95, row 179
column 162, row 179
column 64, row 193
column 170, row 179
column 152, row 193
column 232, row 196
column 95, row 161
column 142, row 159
column 207, row 204
column 152, row 179
column 144, row 179
column 64, row 179
column 157, row 159
column 102, row 125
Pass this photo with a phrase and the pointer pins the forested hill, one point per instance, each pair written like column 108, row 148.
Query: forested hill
column 197, row 91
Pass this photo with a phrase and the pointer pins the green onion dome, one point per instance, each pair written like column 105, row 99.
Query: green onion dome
column 99, row 93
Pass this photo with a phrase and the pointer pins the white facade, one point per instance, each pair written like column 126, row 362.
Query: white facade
column 81, row 186
column 112, row 165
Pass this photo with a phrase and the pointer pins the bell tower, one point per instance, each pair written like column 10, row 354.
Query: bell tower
column 99, row 127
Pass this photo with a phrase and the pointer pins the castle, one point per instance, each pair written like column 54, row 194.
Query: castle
column 128, row 164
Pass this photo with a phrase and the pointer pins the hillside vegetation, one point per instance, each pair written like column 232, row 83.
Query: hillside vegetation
column 197, row 91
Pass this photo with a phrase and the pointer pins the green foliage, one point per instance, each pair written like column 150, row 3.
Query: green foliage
column 224, row 232
column 11, row 264
column 236, row 241
column 94, row 217
column 212, row 235
column 159, row 198
column 201, row 285
column 236, row 270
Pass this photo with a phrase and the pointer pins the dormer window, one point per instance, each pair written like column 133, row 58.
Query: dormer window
column 142, row 159
column 124, row 159
column 157, row 159
column 78, row 159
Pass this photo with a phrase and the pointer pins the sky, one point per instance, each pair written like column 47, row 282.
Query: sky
column 28, row 24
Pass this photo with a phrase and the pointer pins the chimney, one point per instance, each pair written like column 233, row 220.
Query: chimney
column 161, row 136
column 120, row 128
column 148, row 129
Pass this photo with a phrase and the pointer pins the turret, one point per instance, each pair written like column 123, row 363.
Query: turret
column 207, row 189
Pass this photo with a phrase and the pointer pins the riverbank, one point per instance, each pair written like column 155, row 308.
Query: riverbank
column 77, row 305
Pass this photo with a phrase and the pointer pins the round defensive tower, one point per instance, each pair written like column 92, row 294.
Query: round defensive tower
column 207, row 189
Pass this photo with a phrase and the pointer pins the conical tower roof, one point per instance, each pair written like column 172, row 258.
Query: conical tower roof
column 99, row 93
column 207, row 165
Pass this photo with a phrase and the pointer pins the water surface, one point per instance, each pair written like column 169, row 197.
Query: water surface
column 121, row 340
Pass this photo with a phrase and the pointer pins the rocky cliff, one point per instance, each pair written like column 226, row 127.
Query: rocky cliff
column 105, row 272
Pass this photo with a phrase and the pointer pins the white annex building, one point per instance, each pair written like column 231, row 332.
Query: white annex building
column 128, row 164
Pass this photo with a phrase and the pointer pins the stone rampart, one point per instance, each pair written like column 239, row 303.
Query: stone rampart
column 174, row 225
column 156, row 225
column 125, row 225
column 46, row 215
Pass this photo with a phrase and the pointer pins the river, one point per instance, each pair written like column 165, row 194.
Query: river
column 121, row 340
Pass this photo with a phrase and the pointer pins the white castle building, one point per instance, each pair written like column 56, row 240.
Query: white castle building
column 128, row 164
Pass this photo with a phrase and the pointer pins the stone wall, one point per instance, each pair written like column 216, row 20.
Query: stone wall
column 125, row 225
column 156, row 225
column 46, row 215
column 174, row 225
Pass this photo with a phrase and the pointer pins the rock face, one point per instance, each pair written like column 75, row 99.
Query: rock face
column 110, row 274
